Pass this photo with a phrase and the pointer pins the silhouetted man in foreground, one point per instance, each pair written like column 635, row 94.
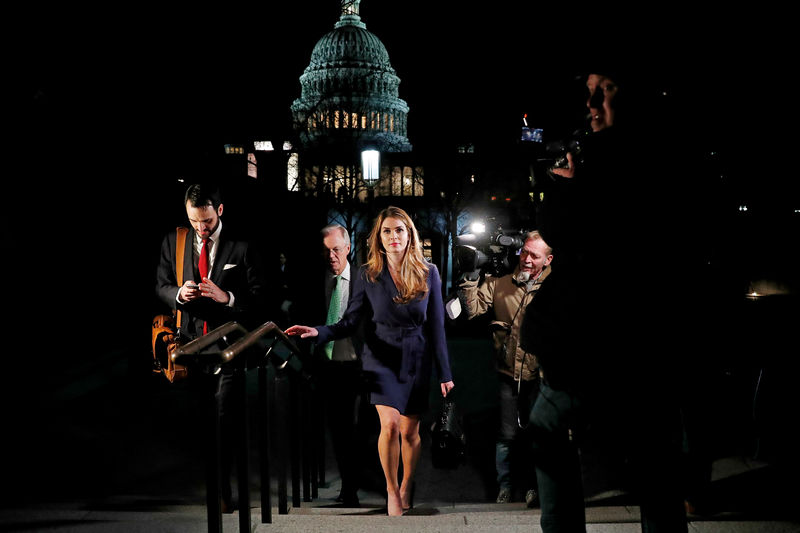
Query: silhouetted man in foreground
column 600, row 326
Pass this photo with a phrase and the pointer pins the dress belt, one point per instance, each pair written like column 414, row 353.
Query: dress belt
column 411, row 342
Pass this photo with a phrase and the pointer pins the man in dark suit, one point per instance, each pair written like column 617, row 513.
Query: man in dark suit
column 338, row 367
column 223, row 281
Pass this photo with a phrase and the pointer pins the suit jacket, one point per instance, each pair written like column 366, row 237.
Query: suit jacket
column 312, row 306
column 508, row 299
column 403, row 340
column 237, row 269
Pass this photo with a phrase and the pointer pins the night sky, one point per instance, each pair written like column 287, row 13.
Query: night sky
column 112, row 101
column 116, row 99
column 182, row 77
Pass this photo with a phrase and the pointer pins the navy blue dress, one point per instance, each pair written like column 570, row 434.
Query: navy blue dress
column 401, row 341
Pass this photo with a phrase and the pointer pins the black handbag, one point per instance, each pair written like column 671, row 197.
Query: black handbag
column 448, row 446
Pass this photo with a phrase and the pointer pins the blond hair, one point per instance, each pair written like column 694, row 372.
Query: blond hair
column 413, row 282
column 536, row 236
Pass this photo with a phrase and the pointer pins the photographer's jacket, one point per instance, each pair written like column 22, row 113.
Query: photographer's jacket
column 509, row 298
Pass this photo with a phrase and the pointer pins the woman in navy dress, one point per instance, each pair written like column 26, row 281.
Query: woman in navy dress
column 401, row 293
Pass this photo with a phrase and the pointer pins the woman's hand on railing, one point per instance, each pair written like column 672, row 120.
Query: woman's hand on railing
column 303, row 331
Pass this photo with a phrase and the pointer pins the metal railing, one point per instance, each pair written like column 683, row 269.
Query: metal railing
column 283, row 406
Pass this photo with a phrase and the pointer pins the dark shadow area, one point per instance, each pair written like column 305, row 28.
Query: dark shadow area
column 51, row 524
column 100, row 430
column 422, row 511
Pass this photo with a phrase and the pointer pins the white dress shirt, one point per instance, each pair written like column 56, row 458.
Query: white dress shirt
column 213, row 241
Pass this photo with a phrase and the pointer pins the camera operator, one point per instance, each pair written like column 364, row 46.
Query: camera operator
column 598, row 325
column 508, row 296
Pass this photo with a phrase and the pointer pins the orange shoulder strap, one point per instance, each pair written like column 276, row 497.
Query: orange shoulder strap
column 180, row 246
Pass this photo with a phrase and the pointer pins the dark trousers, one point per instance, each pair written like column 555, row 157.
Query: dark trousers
column 655, row 457
column 645, row 442
column 341, row 393
column 558, row 469
column 513, row 442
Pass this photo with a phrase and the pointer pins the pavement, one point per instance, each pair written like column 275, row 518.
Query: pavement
column 102, row 446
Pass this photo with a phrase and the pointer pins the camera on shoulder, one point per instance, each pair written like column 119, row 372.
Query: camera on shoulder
column 487, row 253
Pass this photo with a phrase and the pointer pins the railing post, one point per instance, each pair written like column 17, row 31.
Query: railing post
column 289, row 413
column 266, row 397
column 295, row 414
column 317, row 421
column 321, row 447
column 213, row 506
column 243, row 465
column 281, row 434
column 308, row 456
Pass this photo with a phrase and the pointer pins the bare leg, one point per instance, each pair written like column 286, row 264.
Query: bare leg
column 411, row 444
column 389, row 453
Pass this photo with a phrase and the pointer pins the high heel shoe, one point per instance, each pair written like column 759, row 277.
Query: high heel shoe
column 387, row 507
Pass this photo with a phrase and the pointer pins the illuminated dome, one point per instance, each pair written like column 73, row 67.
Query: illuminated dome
column 349, row 91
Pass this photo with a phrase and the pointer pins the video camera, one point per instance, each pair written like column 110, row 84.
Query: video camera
column 556, row 152
column 479, row 253
column 487, row 253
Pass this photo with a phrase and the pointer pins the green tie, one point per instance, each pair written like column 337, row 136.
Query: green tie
column 333, row 312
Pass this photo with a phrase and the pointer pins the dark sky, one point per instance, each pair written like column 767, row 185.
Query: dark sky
column 217, row 72
column 115, row 97
column 162, row 81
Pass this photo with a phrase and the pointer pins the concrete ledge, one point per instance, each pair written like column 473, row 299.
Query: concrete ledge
column 510, row 518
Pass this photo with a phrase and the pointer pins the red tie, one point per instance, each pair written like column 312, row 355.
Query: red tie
column 202, row 266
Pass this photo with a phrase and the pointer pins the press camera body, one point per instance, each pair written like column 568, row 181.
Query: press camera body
column 555, row 153
column 489, row 253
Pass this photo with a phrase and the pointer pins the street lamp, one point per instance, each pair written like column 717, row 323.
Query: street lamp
column 370, row 166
